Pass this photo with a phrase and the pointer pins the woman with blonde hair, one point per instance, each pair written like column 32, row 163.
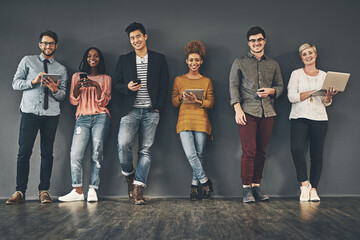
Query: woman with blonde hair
column 309, row 120
column 193, row 124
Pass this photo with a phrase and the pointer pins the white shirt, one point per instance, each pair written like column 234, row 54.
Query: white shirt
column 312, row 108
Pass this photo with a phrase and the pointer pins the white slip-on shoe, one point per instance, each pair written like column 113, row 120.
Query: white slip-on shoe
column 314, row 197
column 305, row 193
column 72, row 196
column 92, row 196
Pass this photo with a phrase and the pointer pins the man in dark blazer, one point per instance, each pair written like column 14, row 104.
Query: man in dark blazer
column 142, row 78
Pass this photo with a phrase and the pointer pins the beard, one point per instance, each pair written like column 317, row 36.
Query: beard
column 48, row 55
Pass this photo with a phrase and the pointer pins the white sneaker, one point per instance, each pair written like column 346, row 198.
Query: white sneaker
column 72, row 196
column 305, row 193
column 92, row 196
column 314, row 197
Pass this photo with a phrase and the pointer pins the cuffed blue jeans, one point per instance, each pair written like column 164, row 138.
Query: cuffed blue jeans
column 29, row 126
column 143, row 121
column 193, row 144
column 96, row 128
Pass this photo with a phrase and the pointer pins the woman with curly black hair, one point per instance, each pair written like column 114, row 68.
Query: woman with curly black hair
column 193, row 123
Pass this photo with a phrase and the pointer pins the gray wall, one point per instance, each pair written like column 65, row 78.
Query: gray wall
column 331, row 25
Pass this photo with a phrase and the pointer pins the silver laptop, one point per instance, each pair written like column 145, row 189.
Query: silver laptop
column 337, row 80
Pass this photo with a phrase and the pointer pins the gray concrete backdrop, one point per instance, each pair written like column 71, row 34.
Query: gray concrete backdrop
column 221, row 25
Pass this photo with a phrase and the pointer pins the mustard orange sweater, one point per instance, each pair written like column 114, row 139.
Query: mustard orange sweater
column 192, row 116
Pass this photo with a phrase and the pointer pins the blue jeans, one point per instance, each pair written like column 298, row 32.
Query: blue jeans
column 194, row 147
column 29, row 127
column 95, row 127
column 144, row 122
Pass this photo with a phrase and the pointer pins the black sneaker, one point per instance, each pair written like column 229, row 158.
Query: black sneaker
column 259, row 196
column 247, row 195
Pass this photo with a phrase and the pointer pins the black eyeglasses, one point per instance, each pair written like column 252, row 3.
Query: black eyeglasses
column 51, row 44
column 256, row 40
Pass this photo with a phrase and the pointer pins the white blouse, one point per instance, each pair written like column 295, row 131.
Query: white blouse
column 312, row 108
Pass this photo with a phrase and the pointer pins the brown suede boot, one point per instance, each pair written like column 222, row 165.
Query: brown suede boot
column 44, row 196
column 130, row 181
column 138, row 195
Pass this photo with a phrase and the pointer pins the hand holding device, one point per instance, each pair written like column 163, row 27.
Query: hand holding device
column 137, row 81
column 134, row 85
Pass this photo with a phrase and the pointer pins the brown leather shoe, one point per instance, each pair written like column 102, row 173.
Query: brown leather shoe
column 44, row 197
column 138, row 195
column 17, row 197
column 130, row 181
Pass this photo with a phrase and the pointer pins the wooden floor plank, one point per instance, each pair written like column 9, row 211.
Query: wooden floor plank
column 280, row 218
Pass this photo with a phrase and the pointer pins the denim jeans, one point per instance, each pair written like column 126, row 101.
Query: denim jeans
column 29, row 126
column 144, row 122
column 194, row 147
column 96, row 128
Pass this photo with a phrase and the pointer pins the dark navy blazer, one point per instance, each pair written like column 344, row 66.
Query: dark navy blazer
column 157, row 79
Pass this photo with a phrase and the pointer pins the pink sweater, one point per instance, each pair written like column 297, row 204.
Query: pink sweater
column 87, row 102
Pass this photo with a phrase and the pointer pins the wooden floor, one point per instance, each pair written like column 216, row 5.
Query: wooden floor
column 281, row 218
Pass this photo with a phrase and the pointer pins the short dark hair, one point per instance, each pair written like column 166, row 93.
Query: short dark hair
column 135, row 26
column 254, row 31
column 49, row 33
column 84, row 65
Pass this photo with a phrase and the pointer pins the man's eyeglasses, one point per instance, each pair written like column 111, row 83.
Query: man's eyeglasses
column 44, row 44
column 256, row 40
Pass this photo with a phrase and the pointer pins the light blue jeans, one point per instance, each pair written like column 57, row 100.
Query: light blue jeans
column 96, row 128
column 193, row 144
column 141, row 121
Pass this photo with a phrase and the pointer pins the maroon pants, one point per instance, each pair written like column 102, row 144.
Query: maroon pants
column 255, row 136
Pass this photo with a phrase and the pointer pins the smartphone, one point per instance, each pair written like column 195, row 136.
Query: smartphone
column 261, row 90
column 83, row 75
column 137, row 81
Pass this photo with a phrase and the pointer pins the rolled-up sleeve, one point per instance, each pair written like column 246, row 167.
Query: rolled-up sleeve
column 234, row 82
column 325, row 103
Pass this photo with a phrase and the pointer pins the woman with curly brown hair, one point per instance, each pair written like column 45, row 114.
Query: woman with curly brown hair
column 193, row 123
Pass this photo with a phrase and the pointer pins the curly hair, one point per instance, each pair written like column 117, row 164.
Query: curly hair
column 195, row 46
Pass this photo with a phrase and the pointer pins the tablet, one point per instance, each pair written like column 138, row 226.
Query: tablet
column 197, row 92
column 337, row 80
column 54, row 77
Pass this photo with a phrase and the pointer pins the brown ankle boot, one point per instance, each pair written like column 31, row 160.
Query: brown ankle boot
column 130, row 181
column 138, row 195
column 207, row 189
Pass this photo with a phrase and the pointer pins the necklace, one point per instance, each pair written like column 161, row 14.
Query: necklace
column 309, row 80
